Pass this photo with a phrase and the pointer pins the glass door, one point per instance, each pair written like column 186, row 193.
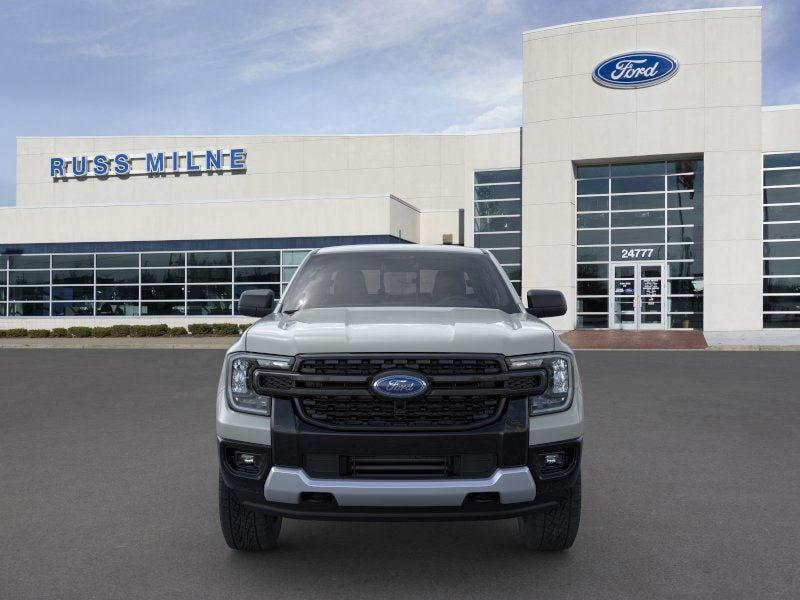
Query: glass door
column 637, row 295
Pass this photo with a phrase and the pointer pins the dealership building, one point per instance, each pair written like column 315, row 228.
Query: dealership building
column 646, row 181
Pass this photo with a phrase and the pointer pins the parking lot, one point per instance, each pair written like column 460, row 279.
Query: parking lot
column 108, row 490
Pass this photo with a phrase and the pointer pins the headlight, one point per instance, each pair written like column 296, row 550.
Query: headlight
column 240, row 367
column 558, row 395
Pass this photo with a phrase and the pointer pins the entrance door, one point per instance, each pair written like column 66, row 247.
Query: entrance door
column 637, row 300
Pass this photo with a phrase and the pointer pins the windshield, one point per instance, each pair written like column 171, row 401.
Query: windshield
column 398, row 278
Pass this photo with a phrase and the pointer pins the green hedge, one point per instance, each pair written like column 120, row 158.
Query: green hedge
column 198, row 329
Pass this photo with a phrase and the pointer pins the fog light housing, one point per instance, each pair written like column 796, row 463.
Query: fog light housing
column 248, row 462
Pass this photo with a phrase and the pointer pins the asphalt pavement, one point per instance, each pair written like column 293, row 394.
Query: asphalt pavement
column 691, row 489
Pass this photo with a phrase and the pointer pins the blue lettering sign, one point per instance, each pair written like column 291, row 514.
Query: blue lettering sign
column 190, row 166
column 100, row 164
column 56, row 167
column 237, row 159
column 154, row 163
column 121, row 164
column 176, row 161
column 213, row 160
column 79, row 166
column 635, row 70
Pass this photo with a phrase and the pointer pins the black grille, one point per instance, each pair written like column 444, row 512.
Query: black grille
column 371, row 366
column 449, row 412
column 273, row 381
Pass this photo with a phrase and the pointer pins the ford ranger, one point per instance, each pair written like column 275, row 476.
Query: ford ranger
column 400, row 382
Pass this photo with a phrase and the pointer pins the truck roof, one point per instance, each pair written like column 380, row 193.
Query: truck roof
column 398, row 248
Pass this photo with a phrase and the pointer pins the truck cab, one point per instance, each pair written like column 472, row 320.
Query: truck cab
column 400, row 382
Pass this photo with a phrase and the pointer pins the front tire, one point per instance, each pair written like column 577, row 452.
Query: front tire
column 556, row 528
column 244, row 528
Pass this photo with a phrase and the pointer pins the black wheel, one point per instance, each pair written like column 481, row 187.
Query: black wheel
column 556, row 528
column 245, row 528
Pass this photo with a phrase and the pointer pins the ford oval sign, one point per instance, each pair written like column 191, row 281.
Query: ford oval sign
column 635, row 70
column 399, row 386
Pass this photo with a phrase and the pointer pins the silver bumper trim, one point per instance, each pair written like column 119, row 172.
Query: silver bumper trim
column 513, row 484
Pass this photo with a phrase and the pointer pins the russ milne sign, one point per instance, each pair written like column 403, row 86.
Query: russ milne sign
column 152, row 163
column 635, row 70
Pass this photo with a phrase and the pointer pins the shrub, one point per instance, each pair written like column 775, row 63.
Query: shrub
column 120, row 330
column 2, row 333
column 138, row 331
column 38, row 333
column 59, row 332
column 201, row 329
column 157, row 330
column 225, row 329
column 177, row 331
column 16, row 332
column 101, row 332
column 80, row 332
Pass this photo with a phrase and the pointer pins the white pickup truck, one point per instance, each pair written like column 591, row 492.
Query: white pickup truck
column 400, row 382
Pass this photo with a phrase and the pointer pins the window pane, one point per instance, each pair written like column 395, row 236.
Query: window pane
column 29, row 277
column 782, row 267
column 593, row 321
column 514, row 273
column 782, row 160
column 492, row 192
column 587, row 171
column 789, row 320
column 73, row 277
column 162, row 308
column 680, row 234
column 209, row 308
column 209, row 292
column 684, row 217
column 682, row 182
column 162, row 292
column 511, row 256
column 118, row 276
column 782, row 231
column 163, row 276
column 163, row 259
column 593, row 288
column 237, row 290
column 789, row 177
column 783, row 303
column 782, row 195
column 117, row 292
column 681, row 269
column 497, row 240
column 2, row 278
column 684, row 166
column 637, row 202
column 782, row 213
column 498, row 176
column 592, row 236
column 209, row 275
column 649, row 168
column 694, row 304
column 592, row 186
column 684, row 199
column 268, row 257
column 637, row 184
column 592, row 271
column 593, row 220
column 209, row 259
column 684, row 286
column 25, row 261
column 637, row 236
column 294, row 257
column 593, row 305
column 73, row 309
column 679, row 252
column 242, row 274
column 782, row 285
column 637, row 219
column 117, row 309
column 288, row 273
column 117, row 261
column 498, row 224
column 592, row 254
column 781, row 249
column 500, row 207
column 73, row 261
column 29, row 293
column 83, row 292
column 597, row 203
column 28, row 309
column 686, row 321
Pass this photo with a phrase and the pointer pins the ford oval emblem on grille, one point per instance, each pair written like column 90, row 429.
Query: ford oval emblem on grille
column 399, row 385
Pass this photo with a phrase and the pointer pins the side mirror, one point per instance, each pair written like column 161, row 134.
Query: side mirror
column 546, row 303
column 256, row 303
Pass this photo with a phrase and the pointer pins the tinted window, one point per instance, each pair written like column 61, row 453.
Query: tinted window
column 399, row 278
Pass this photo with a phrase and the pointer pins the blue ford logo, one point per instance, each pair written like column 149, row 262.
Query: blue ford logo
column 399, row 385
column 635, row 70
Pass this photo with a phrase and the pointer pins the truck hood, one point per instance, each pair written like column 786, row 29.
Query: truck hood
column 340, row 330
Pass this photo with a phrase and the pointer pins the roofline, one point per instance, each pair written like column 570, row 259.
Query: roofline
column 651, row 14
column 782, row 107
column 353, row 248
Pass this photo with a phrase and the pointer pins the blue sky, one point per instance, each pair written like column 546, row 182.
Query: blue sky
column 151, row 67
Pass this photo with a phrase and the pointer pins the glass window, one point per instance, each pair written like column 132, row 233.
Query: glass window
column 782, row 285
column 593, row 321
column 238, row 289
column 592, row 271
column 73, row 309
column 592, row 237
column 497, row 240
column 514, row 273
column 163, row 276
column 679, row 252
column 498, row 224
column 493, row 192
column 28, row 309
column 162, row 292
column 684, row 199
column 684, row 217
column 501, row 176
column 593, row 288
column 117, row 309
column 637, row 184
column 117, row 261
column 73, row 261
column 294, row 257
column 118, row 292
column 258, row 257
column 592, row 186
column 681, row 182
column 288, row 273
column 209, row 292
column 66, row 277
column 782, row 267
column 73, row 292
column 592, row 220
column 681, row 269
column 162, row 309
column 790, row 159
column 209, row 259
column 208, row 308
column 512, row 256
column 637, row 236
column 694, row 321
column 777, row 320
column 29, row 261
column 588, row 171
column 649, row 168
column 209, row 275
column 499, row 207
column 637, row 219
column 163, row 259
column 788, row 177
column 596, row 305
column 118, row 276
column 637, row 202
column 592, row 254
column 782, row 213
column 243, row 274
column 782, row 195
column 685, row 286
column 680, row 234
column 783, row 231
column 29, row 293
column 681, row 304
column 782, row 303
column 593, row 203
column 684, row 166
column 29, row 277
column 782, row 249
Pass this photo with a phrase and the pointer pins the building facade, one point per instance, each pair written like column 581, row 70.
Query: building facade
column 647, row 182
